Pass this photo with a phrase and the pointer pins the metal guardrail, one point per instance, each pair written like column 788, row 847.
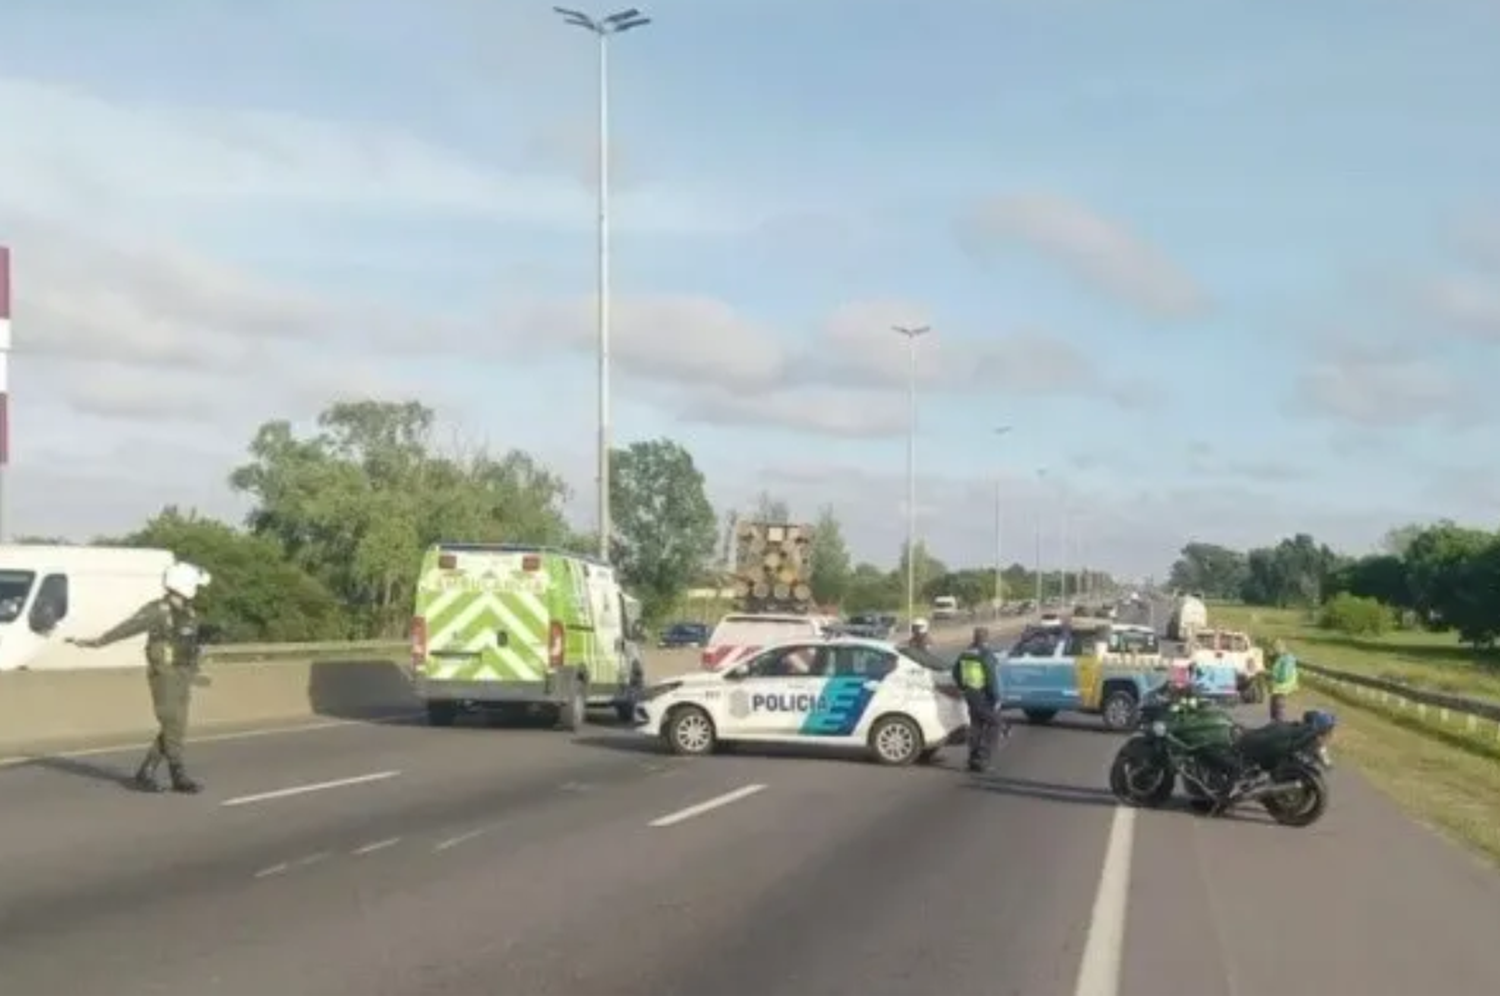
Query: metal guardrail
column 245, row 653
column 1460, row 704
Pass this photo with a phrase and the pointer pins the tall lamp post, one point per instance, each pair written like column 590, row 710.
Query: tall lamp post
column 603, row 29
column 1041, row 477
column 999, row 531
column 912, row 335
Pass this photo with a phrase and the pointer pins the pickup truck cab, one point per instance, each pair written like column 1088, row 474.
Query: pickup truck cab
column 1230, row 663
column 1099, row 670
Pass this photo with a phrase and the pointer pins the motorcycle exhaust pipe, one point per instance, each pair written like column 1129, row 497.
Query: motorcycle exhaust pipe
column 1273, row 789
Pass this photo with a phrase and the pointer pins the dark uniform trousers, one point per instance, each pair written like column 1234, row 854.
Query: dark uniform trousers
column 984, row 725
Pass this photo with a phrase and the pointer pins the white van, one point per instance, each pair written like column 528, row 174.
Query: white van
column 945, row 607
column 741, row 635
column 51, row 593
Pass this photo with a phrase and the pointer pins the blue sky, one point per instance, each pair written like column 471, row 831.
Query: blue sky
column 1229, row 269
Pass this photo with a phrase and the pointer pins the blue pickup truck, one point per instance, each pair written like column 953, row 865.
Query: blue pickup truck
column 1098, row 670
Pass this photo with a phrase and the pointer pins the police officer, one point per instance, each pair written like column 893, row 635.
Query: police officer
column 921, row 638
column 977, row 672
column 172, row 651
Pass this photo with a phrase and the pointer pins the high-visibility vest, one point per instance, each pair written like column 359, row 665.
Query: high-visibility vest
column 971, row 672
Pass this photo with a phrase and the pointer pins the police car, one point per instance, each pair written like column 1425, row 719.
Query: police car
column 900, row 704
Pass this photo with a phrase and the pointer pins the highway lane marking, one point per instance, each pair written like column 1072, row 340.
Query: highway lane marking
column 379, row 845
column 273, row 870
column 286, row 866
column 707, row 806
column 245, row 800
column 462, row 838
column 207, row 738
column 1099, row 971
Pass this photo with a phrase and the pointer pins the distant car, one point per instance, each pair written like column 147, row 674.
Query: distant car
column 868, row 625
column 685, row 634
column 902, row 706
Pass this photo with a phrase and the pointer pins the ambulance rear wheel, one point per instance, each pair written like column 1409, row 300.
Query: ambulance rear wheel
column 690, row 732
column 442, row 713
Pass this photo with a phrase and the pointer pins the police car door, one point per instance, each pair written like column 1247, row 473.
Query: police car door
column 1029, row 673
column 782, row 685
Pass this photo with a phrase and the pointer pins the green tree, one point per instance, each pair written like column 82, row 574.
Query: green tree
column 928, row 569
column 665, row 528
column 257, row 594
column 873, row 590
column 1216, row 571
column 356, row 503
column 831, row 565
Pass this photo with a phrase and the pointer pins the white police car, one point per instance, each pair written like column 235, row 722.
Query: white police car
column 900, row 704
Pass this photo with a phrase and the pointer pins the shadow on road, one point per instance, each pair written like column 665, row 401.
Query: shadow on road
column 78, row 769
column 637, row 744
column 1076, row 795
column 359, row 689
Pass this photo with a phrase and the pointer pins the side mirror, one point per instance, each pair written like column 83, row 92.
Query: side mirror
column 44, row 618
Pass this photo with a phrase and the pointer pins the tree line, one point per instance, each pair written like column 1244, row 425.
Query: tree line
column 340, row 517
column 1442, row 577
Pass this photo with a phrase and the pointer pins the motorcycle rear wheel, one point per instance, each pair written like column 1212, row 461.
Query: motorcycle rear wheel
column 1302, row 807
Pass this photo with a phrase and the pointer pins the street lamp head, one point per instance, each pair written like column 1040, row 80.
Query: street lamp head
column 614, row 24
column 1001, row 430
column 911, row 333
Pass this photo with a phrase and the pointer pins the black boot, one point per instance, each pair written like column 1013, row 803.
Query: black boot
column 182, row 783
column 145, row 775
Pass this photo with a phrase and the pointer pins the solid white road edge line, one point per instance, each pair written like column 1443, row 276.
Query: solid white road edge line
column 245, row 800
column 207, row 738
column 1099, row 971
column 708, row 805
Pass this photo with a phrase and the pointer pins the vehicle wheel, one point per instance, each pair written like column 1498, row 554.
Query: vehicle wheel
column 1119, row 711
column 442, row 713
column 896, row 741
column 1137, row 779
column 1300, row 807
column 690, row 731
column 1040, row 716
column 929, row 756
column 575, row 712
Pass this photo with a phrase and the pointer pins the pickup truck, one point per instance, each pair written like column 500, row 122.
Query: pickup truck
column 1057, row 668
column 1230, row 650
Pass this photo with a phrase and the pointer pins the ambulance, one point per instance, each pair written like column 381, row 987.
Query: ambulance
column 516, row 628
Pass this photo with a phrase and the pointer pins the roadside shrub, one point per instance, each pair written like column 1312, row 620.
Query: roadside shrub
column 1355, row 616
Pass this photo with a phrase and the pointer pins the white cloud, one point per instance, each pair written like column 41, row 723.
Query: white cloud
column 1469, row 303
column 75, row 153
column 830, row 412
column 1385, row 385
column 1095, row 249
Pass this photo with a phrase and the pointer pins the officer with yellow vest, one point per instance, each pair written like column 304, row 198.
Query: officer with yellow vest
column 977, row 672
column 1283, row 681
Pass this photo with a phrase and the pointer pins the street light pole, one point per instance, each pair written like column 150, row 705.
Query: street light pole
column 912, row 335
column 603, row 29
column 999, row 532
column 1041, row 476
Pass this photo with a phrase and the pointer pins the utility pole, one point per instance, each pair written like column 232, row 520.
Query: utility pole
column 1041, row 476
column 603, row 29
column 912, row 335
column 999, row 531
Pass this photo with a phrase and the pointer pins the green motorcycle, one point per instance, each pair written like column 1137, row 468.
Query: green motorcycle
column 1182, row 737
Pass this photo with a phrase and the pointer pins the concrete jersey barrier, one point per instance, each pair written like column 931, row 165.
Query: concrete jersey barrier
column 243, row 685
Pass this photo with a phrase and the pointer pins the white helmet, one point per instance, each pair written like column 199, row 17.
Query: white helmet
column 184, row 579
column 919, row 624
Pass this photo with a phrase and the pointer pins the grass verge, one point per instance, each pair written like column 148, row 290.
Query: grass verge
column 1457, row 792
column 1433, row 661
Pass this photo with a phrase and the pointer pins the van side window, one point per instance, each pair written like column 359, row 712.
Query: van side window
column 51, row 605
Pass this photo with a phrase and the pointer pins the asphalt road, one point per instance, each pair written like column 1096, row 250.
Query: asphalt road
column 373, row 859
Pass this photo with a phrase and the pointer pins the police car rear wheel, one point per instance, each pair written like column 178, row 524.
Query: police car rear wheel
column 896, row 740
column 690, row 731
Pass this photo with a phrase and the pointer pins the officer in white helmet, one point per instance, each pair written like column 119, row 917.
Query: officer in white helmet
column 172, row 658
column 921, row 635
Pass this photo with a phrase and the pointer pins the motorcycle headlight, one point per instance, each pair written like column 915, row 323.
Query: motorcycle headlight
column 656, row 691
column 1158, row 729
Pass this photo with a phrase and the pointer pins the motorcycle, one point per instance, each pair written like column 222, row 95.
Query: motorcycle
column 1221, row 764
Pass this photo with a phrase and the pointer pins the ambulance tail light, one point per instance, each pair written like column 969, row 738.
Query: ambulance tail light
column 447, row 561
column 531, row 562
column 418, row 641
column 556, row 642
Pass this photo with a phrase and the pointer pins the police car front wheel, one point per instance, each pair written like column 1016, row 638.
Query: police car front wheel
column 690, row 730
column 896, row 740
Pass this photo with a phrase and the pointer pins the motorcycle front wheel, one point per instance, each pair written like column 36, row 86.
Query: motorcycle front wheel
column 1139, row 777
column 1302, row 806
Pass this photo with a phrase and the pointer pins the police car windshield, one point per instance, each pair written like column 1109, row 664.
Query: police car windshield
column 14, row 587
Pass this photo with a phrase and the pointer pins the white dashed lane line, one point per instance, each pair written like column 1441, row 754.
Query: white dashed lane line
column 294, row 790
column 707, row 806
